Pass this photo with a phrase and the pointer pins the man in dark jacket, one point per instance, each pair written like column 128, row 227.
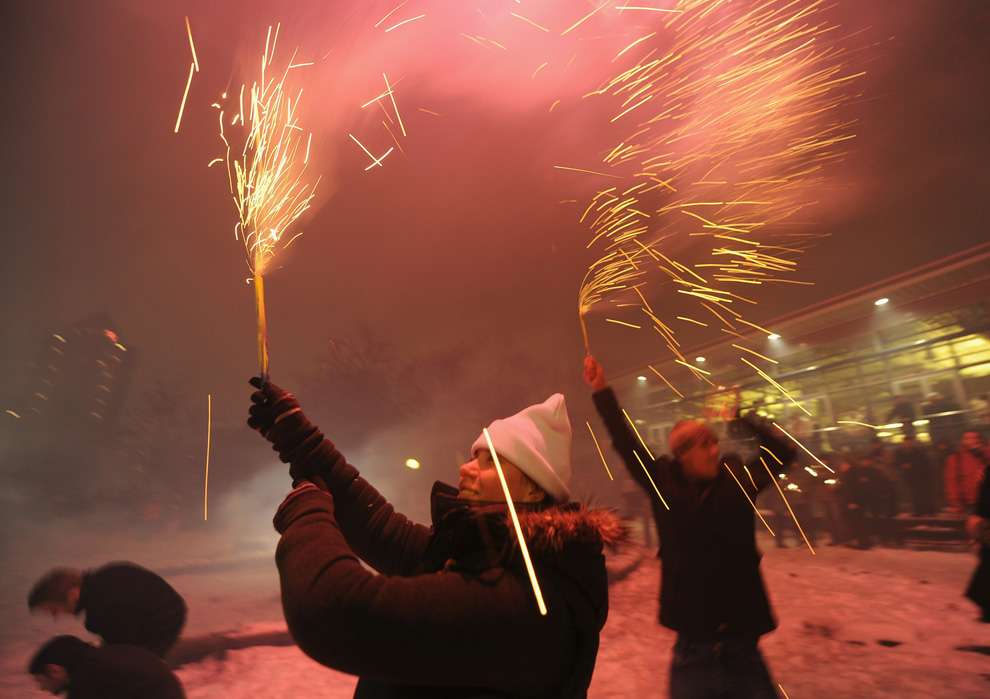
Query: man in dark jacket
column 915, row 468
column 69, row 664
column 122, row 603
column 711, row 590
column 978, row 527
column 453, row 612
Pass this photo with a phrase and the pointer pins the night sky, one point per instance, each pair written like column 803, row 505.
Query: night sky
column 459, row 241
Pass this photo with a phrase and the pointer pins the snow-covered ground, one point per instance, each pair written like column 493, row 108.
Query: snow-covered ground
column 877, row 623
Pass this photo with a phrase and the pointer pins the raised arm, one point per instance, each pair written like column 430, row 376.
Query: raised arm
column 634, row 455
column 442, row 629
column 384, row 538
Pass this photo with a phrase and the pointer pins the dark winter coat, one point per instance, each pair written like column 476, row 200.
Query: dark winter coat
column 125, row 603
column 978, row 589
column 710, row 583
column 121, row 672
column 452, row 612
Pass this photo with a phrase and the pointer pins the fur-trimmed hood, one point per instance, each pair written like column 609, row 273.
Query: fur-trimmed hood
column 479, row 535
column 550, row 529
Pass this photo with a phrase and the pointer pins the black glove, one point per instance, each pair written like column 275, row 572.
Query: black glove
column 271, row 404
column 276, row 414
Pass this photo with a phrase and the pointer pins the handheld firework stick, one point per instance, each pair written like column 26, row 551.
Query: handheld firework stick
column 612, row 273
column 259, row 307
column 266, row 176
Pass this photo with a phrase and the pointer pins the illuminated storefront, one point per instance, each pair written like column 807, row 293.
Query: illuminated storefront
column 923, row 335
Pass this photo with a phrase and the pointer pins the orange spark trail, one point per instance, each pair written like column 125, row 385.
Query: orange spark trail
column 782, row 497
column 390, row 13
column 192, row 47
column 404, row 22
column 185, row 94
column 803, row 447
column 741, row 487
column 515, row 523
column 667, row 382
column 640, row 460
column 394, row 106
column 209, row 426
column 593, row 437
column 636, row 432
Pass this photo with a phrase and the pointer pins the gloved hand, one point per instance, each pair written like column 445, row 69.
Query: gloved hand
column 276, row 414
column 271, row 404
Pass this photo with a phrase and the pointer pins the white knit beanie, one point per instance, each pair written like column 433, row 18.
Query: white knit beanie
column 538, row 441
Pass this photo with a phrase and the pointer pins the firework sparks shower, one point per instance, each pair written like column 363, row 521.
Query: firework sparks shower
column 266, row 174
column 732, row 125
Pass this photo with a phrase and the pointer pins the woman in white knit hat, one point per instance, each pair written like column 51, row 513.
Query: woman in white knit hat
column 451, row 611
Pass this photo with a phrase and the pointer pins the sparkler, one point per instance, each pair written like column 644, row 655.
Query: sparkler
column 266, row 176
column 733, row 127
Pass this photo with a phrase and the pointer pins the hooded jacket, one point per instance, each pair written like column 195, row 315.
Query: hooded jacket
column 451, row 612
column 710, row 582
column 125, row 603
column 112, row 671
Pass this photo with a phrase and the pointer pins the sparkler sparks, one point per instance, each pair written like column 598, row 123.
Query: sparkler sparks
column 266, row 175
column 733, row 127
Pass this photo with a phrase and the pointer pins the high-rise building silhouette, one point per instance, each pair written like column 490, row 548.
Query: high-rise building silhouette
column 82, row 376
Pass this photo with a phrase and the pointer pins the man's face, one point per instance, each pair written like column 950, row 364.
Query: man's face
column 700, row 460
column 971, row 440
column 479, row 481
column 56, row 608
column 53, row 680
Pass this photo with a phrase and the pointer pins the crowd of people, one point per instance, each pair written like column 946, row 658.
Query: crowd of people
column 874, row 496
column 505, row 593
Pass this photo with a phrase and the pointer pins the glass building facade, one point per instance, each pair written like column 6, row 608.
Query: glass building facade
column 831, row 377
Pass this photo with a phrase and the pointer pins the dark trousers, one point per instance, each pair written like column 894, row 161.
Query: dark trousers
column 731, row 668
column 922, row 495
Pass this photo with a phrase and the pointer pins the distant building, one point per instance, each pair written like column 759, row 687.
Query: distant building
column 81, row 376
column 839, row 364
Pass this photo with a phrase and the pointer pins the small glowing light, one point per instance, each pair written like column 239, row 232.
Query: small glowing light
column 773, row 336
column 641, row 378
column 830, row 481
column 412, row 463
column 881, row 302
column 699, row 359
